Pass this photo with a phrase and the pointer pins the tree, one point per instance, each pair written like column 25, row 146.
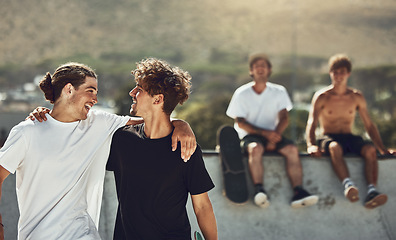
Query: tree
column 206, row 118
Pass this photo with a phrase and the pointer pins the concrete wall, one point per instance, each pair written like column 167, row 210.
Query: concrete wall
column 332, row 218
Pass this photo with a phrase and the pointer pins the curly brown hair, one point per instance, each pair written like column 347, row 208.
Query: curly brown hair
column 71, row 72
column 339, row 61
column 158, row 77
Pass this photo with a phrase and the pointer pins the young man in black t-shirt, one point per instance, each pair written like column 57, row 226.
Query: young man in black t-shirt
column 152, row 181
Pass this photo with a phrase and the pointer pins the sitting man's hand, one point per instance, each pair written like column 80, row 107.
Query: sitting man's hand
column 270, row 146
column 314, row 151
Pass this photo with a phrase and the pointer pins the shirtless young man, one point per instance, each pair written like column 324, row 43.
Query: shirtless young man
column 335, row 107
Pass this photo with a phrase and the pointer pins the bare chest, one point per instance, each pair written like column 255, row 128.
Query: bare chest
column 339, row 107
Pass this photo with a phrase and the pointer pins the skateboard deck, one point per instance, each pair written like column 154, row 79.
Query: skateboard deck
column 234, row 174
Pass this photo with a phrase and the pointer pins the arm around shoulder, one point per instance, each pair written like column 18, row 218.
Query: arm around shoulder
column 134, row 121
column 185, row 135
column 205, row 216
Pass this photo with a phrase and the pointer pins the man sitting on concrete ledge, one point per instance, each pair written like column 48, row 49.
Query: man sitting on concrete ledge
column 335, row 107
column 260, row 110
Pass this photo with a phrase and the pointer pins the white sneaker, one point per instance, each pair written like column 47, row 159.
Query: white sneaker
column 352, row 193
column 261, row 200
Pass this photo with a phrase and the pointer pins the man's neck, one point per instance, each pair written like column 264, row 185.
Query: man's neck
column 157, row 126
column 339, row 89
column 61, row 114
column 259, row 85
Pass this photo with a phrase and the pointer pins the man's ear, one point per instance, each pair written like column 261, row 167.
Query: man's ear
column 68, row 89
column 158, row 99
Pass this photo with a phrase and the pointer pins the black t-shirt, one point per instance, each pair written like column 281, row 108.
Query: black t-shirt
column 152, row 184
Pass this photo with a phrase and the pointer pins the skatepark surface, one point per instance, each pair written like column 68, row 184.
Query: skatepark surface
column 333, row 217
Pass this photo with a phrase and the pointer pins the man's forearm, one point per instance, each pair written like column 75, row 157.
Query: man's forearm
column 312, row 147
column 283, row 122
column 249, row 128
column 134, row 121
column 310, row 132
column 311, row 138
column 205, row 216
column 282, row 125
column 207, row 223
column 376, row 138
column 178, row 122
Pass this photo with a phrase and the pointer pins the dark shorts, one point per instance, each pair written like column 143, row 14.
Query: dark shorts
column 260, row 139
column 350, row 143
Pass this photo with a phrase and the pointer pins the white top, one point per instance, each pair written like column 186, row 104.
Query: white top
column 260, row 110
column 60, row 171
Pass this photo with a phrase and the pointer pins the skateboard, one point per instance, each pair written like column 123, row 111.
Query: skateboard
column 198, row 236
column 234, row 174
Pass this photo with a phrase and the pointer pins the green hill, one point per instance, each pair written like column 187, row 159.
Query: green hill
column 191, row 31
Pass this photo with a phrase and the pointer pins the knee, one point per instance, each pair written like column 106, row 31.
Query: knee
column 369, row 152
column 290, row 150
column 335, row 148
column 255, row 150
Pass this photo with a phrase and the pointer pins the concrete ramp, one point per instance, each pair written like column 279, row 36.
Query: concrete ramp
column 332, row 218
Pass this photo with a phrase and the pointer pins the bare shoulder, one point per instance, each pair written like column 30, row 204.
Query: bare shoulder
column 358, row 95
column 322, row 94
column 357, row 92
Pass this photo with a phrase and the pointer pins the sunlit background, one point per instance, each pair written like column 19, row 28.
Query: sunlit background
column 211, row 40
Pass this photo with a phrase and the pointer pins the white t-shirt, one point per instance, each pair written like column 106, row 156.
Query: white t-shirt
column 260, row 110
column 60, row 170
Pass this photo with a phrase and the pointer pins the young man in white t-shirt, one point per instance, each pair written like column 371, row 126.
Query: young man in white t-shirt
column 260, row 110
column 60, row 175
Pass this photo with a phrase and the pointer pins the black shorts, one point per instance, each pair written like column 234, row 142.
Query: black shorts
column 350, row 143
column 260, row 139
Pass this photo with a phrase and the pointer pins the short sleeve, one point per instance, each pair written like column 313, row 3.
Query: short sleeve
column 14, row 149
column 113, row 156
column 121, row 140
column 198, row 179
column 286, row 102
column 113, row 121
column 236, row 107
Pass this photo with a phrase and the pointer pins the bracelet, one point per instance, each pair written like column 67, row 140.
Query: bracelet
column 2, row 224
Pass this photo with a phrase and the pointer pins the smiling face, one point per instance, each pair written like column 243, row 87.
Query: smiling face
column 141, row 101
column 260, row 70
column 339, row 75
column 83, row 98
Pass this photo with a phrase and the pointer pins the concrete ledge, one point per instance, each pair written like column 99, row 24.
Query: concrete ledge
column 301, row 154
column 332, row 218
